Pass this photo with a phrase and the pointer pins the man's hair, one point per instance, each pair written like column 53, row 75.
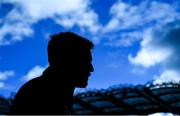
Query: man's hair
column 67, row 43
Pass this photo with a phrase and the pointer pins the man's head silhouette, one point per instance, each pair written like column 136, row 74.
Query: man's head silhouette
column 70, row 56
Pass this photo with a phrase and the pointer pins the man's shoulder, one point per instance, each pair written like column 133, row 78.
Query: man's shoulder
column 31, row 85
column 33, row 82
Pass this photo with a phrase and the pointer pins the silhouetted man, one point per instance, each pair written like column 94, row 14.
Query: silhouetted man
column 69, row 57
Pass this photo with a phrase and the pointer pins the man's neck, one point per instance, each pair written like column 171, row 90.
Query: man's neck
column 68, row 98
column 61, row 81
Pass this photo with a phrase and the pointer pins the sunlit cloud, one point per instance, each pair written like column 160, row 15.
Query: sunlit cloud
column 15, row 26
column 6, row 74
column 18, row 21
column 150, row 55
column 126, row 39
column 167, row 76
column 126, row 15
column 161, row 47
column 129, row 21
column 33, row 73
column 161, row 114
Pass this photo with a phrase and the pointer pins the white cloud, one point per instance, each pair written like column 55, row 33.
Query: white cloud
column 149, row 54
column 17, row 23
column 161, row 114
column 126, row 15
column 34, row 72
column 167, row 76
column 121, row 13
column 6, row 74
column 148, row 57
column 66, row 13
column 72, row 13
column 16, row 31
column 161, row 46
column 43, row 9
column 85, row 19
column 130, row 18
column 15, row 26
column 123, row 39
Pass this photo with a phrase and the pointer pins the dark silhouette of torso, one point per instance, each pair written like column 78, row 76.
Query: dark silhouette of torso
column 43, row 95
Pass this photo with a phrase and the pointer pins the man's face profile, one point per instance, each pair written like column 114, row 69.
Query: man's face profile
column 81, row 69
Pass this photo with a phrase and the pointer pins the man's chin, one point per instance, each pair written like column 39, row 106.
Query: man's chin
column 84, row 85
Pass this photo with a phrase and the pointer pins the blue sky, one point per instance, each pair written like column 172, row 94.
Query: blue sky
column 136, row 41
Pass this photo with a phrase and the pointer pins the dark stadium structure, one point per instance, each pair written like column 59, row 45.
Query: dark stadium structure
column 130, row 100
column 120, row 99
column 4, row 105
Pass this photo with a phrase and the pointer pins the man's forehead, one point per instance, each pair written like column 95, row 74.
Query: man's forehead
column 83, row 54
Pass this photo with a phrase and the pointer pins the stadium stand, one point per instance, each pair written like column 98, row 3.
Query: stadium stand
column 139, row 100
column 4, row 105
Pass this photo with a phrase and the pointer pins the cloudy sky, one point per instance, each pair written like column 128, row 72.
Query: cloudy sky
column 136, row 41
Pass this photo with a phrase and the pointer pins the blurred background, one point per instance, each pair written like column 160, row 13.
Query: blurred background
column 136, row 41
